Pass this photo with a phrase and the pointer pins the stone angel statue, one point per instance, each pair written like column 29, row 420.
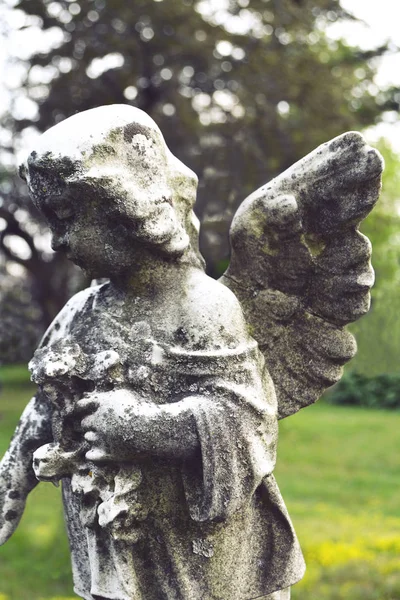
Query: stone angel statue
column 159, row 391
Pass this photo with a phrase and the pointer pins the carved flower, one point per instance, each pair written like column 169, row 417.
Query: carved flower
column 121, row 511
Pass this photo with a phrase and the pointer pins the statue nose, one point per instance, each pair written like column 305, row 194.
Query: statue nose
column 60, row 242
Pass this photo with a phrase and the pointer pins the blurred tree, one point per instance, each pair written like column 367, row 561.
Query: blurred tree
column 383, row 225
column 50, row 277
column 378, row 335
column 240, row 90
column 21, row 319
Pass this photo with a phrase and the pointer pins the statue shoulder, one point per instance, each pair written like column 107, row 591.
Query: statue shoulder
column 210, row 315
column 62, row 322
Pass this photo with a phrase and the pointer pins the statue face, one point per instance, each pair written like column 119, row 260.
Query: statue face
column 82, row 229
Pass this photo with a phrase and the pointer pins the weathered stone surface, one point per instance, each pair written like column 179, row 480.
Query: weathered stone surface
column 154, row 406
column 301, row 269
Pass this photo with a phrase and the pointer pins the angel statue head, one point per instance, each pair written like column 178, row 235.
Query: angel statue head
column 107, row 183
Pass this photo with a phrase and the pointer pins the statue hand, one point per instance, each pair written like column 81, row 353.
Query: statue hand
column 51, row 462
column 113, row 424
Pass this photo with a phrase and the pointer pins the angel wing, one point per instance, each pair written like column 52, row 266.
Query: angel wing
column 301, row 269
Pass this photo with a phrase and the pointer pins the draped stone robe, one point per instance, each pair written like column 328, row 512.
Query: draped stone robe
column 210, row 527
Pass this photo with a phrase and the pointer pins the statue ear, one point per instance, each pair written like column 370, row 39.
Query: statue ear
column 162, row 228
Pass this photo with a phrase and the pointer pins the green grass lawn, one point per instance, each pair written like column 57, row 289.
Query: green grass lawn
column 338, row 470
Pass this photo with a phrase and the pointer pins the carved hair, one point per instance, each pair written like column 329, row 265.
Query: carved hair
column 117, row 154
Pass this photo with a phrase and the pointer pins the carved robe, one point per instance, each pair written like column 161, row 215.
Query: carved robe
column 213, row 527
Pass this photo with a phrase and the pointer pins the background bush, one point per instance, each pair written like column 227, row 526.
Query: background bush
column 357, row 389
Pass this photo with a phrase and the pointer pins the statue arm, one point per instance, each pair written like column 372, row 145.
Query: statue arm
column 169, row 430
column 120, row 425
column 224, row 434
column 17, row 477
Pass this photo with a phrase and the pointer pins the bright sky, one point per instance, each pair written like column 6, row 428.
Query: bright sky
column 381, row 24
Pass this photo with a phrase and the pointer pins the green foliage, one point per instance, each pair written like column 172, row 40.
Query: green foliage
column 383, row 224
column 14, row 376
column 381, row 391
column 378, row 334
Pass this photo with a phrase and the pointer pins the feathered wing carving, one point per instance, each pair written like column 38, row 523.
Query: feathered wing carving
column 301, row 269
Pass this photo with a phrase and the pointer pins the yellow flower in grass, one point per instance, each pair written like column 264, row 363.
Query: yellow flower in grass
column 60, row 598
column 3, row 596
column 338, row 553
column 387, row 544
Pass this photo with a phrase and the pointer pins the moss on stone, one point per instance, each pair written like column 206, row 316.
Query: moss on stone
column 315, row 244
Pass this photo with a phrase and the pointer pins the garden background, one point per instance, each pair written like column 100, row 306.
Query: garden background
column 241, row 89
